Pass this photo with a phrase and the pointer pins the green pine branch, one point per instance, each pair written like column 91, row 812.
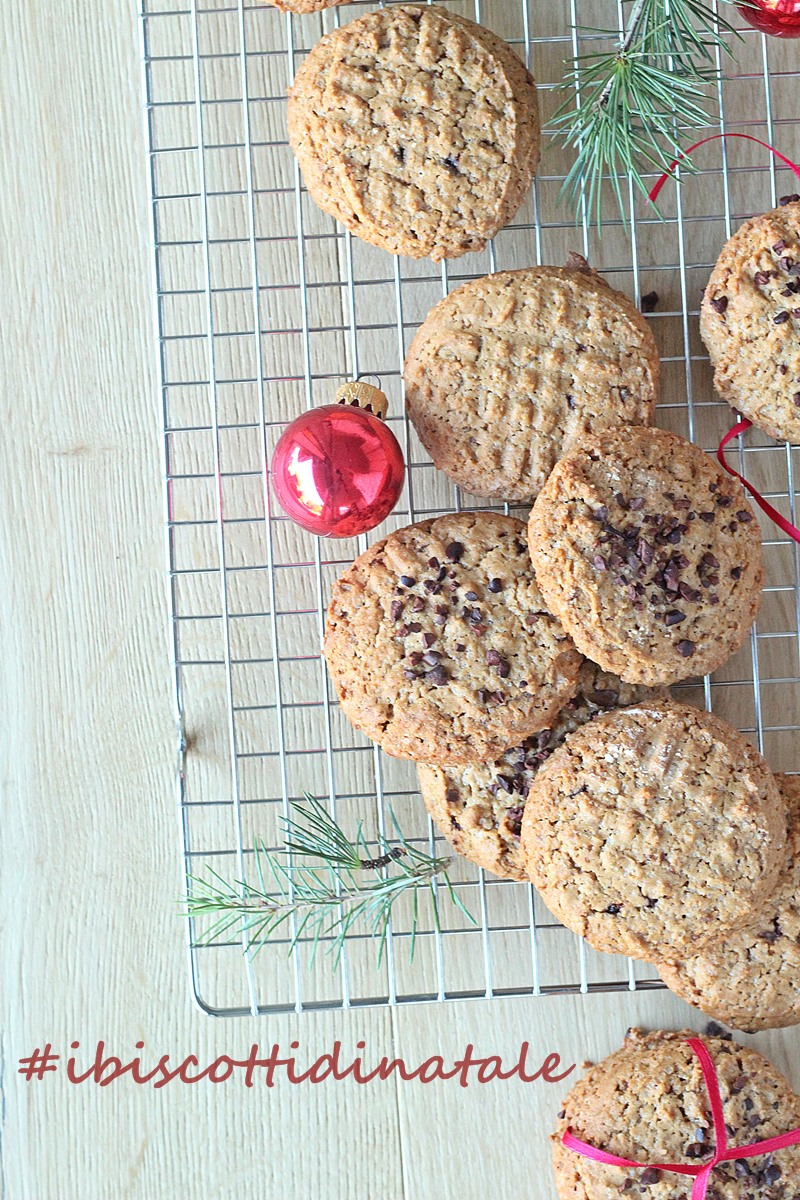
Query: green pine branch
column 338, row 884
column 629, row 109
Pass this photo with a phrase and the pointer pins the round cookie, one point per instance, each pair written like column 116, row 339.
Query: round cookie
column 439, row 644
column 417, row 129
column 305, row 6
column 751, row 978
column 653, row 830
column 750, row 321
column 509, row 372
column 649, row 554
column 479, row 807
column 648, row 1103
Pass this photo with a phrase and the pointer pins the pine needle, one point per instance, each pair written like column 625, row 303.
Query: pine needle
column 630, row 109
column 338, row 884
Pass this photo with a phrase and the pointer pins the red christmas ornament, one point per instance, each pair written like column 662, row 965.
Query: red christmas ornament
column 338, row 470
column 779, row 18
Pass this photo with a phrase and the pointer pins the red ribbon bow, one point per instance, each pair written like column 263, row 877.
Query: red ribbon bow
column 703, row 1171
column 744, row 424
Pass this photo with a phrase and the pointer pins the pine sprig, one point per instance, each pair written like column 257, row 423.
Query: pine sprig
column 629, row 108
column 324, row 896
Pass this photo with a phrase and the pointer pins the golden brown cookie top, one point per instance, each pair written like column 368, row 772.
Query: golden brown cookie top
column 416, row 128
column 439, row 643
column 751, row 978
column 750, row 321
column 509, row 372
column 654, row 830
column 649, row 554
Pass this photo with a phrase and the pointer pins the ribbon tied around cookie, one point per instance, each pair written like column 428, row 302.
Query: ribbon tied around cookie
column 701, row 1172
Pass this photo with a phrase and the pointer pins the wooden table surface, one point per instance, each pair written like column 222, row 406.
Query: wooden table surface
column 92, row 947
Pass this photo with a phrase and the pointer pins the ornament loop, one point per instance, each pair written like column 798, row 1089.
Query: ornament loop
column 359, row 394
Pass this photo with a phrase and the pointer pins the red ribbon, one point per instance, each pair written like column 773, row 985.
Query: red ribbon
column 701, row 1172
column 747, row 137
column 771, row 512
column 782, row 523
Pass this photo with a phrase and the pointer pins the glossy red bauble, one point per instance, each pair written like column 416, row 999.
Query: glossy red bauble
column 779, row 18
column 338, row 470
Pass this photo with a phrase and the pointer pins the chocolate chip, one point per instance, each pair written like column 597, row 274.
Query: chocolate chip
column 452, row 795
column 432, row 586
column 645, row 552
column 599, row 563
column 741, row 1169
column 648, row 302
column 796, row 399
column 771, row 1174
column 674, row 617
column 701, row 1135
column 779, row 247
column 788, row 199
column 483, row 695
column 460, row 647
column 637, row 503
column 514, row 821
column 651, row 1175
column 612, row 909
column 600, row 514
column 784, row 370
column 409, row 674
column 762, row 277
column 471, row 596
column 786, row 263
column 396, row 610
column 432, row 658
column 454, row 551
column 495, row 585
column 604, row 697
column 418, row 603
column 438, row 676
column 708, row 517
column 433, row 563
column 406, row 581
column 780, row 318
column 719, row 304
column 715, row 1030
column 570, row 402
column 695, row 1150
column 708, row 560
column 452, row 164
column 686, row 648
column 402, row 631
column 428, row 639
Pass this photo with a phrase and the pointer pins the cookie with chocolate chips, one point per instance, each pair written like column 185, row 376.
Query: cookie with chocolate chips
column 751, row 979
column 417, row 129
column 439, row 643
column 750, row 321
column 654, row 831
column 649, row 554
column 479, row 807
column 304, row 6
column 509, row 372
column 648, row 1103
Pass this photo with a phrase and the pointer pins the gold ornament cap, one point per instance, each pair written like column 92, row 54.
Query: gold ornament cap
column 360, row 394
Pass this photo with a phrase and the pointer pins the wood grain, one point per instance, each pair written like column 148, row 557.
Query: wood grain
column 91, row 946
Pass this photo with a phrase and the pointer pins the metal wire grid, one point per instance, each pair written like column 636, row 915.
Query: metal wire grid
column 263, row 306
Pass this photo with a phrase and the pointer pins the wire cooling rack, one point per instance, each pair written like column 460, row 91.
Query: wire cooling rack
column 264, row 305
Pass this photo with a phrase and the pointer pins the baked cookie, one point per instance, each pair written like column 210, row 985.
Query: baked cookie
column 509, row 372
column 304, row 6
column 649, row 554
column 648, row 1103
column 750, row 321
column 653, row 830
column 479, row 807
column 417, row 129
column 751, row 979
column 439, row 644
